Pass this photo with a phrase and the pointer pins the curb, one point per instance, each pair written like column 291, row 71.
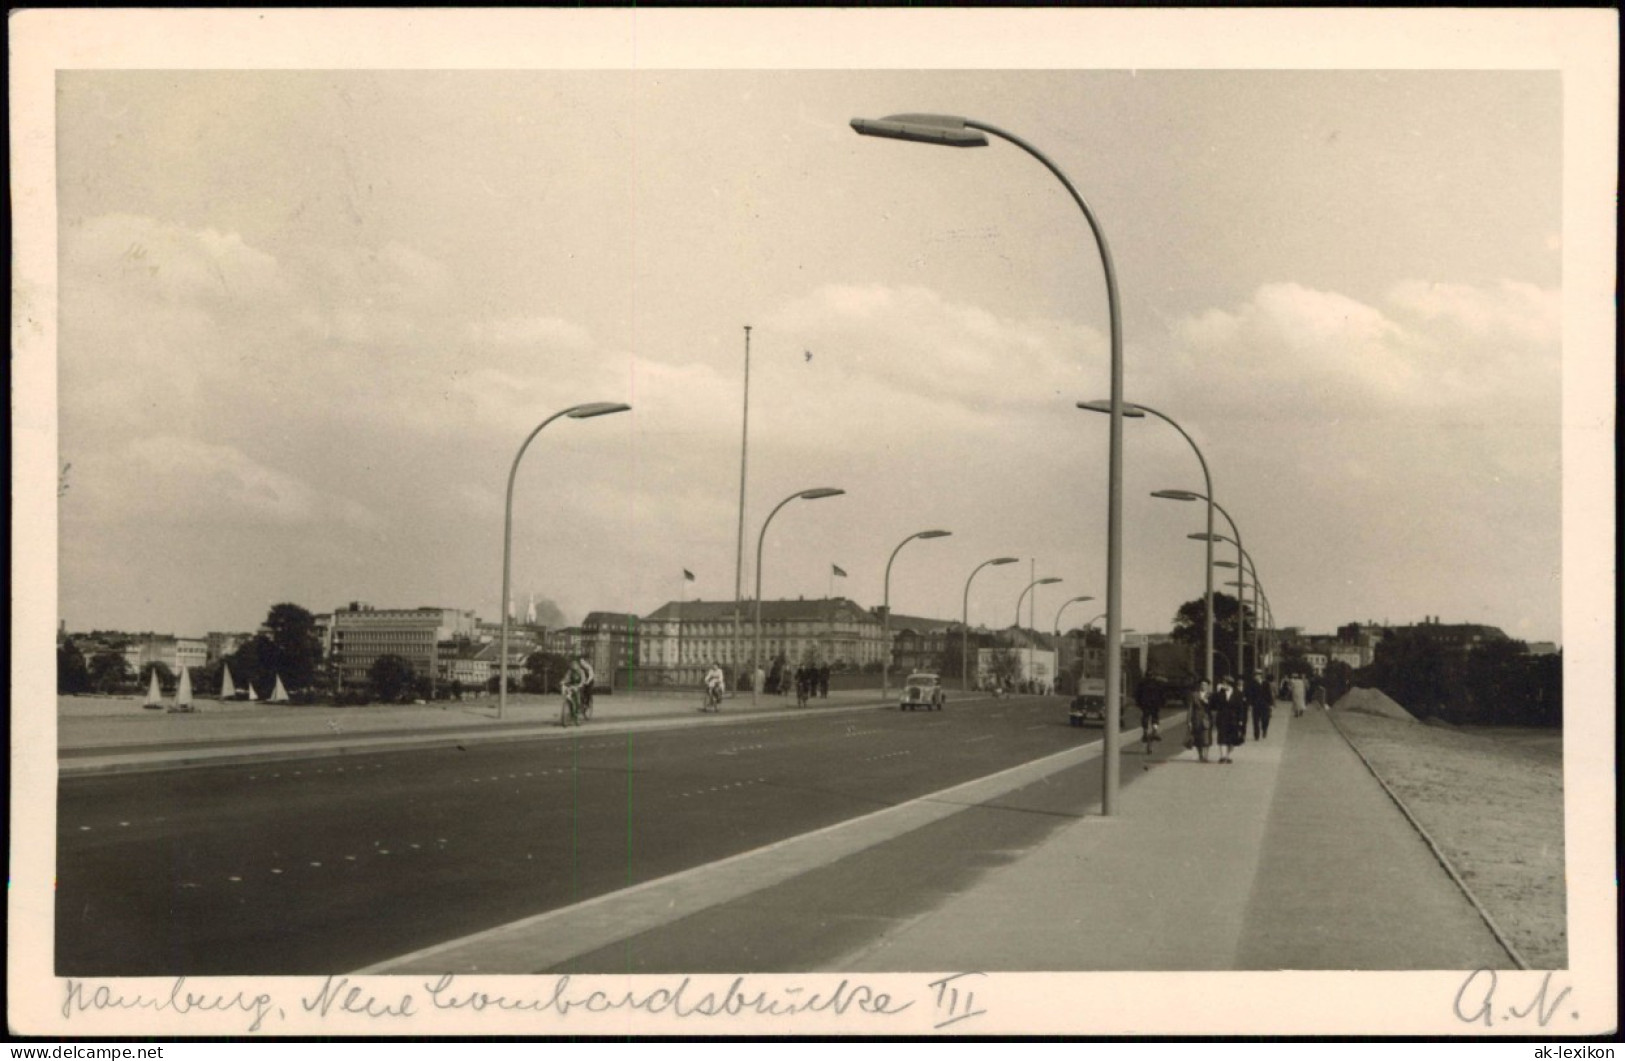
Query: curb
column 1438, row 852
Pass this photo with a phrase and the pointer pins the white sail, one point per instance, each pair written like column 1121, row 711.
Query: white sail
column 183, row 695
column 228, row 691
column 155, row 695
column 279, row 695
column 251, row 696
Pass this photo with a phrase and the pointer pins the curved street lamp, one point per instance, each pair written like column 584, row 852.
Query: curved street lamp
column 1035, row 582
column 1260, row 601
column 885, row 659
column 964, row 626
column 1062, row 608
column 804, row 495
column 955, row 131
column 1191, row 495
column 1139, row 409
column 575, row 412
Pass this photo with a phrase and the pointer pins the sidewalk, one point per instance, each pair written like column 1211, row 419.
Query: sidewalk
column 1292, row 857
column 97, row 735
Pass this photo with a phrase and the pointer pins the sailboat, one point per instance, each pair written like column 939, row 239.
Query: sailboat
column 279, row 695
column 228, row 691
column 183, row 694
column 251, row 697
column 155, row 695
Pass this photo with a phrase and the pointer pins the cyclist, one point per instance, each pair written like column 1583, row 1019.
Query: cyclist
column 573, row 685
column 713, row 688
column 586, row 686
column 1150, row 696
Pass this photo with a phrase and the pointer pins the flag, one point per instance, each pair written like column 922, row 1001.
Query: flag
column 837, row 572
column 688, row 576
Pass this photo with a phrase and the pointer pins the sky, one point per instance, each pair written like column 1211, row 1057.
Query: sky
column 307, row 318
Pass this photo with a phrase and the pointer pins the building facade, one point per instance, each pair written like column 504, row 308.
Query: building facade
column 361, row 633
column 609, row 640
column 681, row 639
column 173, row 652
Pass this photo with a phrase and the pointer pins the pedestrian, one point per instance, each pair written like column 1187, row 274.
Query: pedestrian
column 1317, row 696
column 1229, row 719
column 1263, row 704
column 1198, row 721
column 1295, row 685
column 823, row 682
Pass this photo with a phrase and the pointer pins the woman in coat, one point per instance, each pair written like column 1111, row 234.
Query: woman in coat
column 1229, row 719
column 1199, row 720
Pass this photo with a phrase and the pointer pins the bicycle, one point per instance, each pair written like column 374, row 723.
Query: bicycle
column 1150, row 729
column 571, row 710
column 713, row 698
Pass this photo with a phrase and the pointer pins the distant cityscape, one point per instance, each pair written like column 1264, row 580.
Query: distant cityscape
column 676, row 643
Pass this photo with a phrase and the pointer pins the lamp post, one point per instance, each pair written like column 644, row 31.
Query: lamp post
column 1062, row 608
column 1250, row 571
column 964, row 626
column 966, row 132
column 805, row 495
column 1191, row 495
column 739, row 545
column 575, row 412
column 1140, row 409
column 885, row 659
column 1030, row 585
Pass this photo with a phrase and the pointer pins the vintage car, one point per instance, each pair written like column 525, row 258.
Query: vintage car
column 1090, row 703
column 922, row 690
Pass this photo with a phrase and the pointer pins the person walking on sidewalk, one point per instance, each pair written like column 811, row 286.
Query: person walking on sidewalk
column 1263, row 704
column 1295, row 685
column 1229, row 719
column 1317, row 696
column 1198, row 721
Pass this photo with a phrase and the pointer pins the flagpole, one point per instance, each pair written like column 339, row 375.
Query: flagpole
column 682, row 598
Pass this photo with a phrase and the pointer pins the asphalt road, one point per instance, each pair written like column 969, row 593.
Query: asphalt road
column 318, row 865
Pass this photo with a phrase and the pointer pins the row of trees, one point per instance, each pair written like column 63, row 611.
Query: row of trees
column 1492, row 683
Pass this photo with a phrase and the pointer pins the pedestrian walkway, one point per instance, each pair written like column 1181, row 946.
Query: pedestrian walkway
column 1292, row 857
column 96, row 735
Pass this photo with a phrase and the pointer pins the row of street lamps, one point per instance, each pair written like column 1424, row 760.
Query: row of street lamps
column 946, row 130
column 950, row 131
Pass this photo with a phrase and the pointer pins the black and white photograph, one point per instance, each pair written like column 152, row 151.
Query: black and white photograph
column 804, row 523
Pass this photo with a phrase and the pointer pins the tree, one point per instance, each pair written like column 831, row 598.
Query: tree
column 109, row 671
column 166, row 677
column 1005, row 665
column 543, row 671
column 1418, row 672
column 253, row 665
column 391, row 677
column 1190, row 627
column 1294, row 661
column 1338, row 678
column 296, row 651
column 72, row 673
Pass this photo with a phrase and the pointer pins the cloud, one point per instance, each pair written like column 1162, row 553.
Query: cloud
column 171, row 478
column 913, row 340
column 1428, row 349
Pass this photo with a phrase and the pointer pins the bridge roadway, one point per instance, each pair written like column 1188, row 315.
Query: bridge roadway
column 318, row 865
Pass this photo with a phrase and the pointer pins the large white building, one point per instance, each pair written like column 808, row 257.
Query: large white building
column 679, row 640
column 361, row 633
column 173, row 652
